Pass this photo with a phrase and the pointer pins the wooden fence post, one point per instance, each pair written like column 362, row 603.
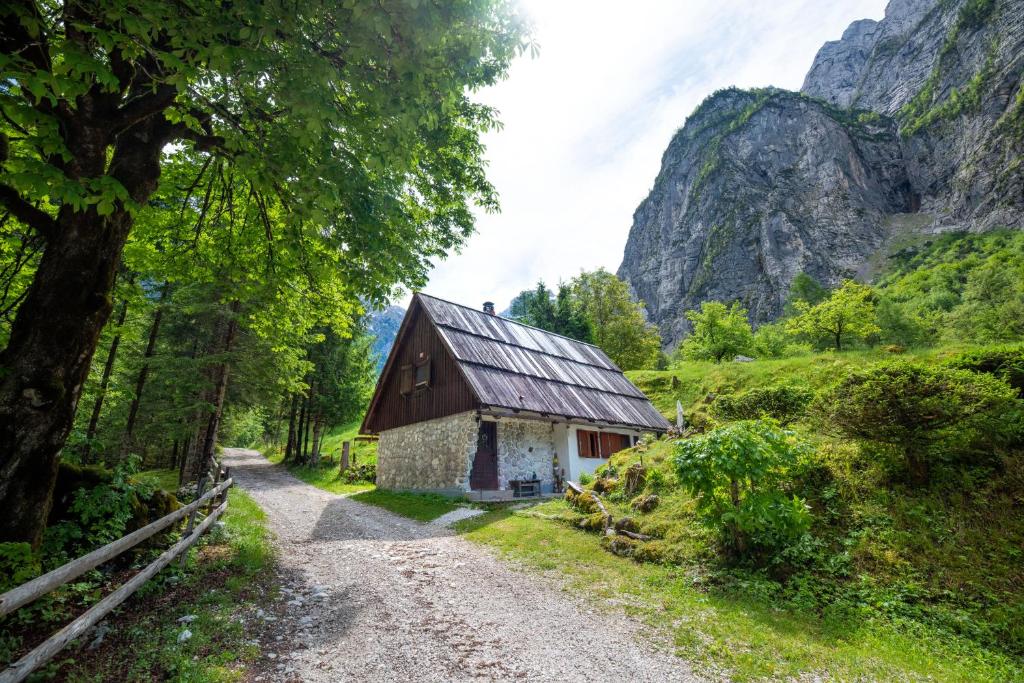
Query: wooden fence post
column 192, row 519
column 344, row 455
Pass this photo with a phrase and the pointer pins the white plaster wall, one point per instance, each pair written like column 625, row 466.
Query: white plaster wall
column 576, row 464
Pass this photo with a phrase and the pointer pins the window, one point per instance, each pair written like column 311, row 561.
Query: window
column 405, row 380
column 600, row 444
column 422, row 373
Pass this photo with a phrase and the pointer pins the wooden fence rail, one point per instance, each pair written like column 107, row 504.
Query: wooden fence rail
column 27, row 592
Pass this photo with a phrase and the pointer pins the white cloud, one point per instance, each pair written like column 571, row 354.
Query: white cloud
column 586, row 122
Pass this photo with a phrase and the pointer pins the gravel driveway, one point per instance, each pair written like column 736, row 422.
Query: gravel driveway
column 371, row 596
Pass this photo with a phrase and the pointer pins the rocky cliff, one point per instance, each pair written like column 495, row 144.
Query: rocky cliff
column 915, row 121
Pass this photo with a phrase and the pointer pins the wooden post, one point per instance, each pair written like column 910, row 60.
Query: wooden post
column 345, row 447
column 192, row 517
column 216, row 480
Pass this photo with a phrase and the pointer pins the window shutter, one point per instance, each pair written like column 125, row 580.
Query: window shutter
column 422, row 374
column 606, row 444
column 405, row 380
column 583, row 442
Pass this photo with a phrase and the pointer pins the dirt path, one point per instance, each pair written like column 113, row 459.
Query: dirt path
column 371, row 596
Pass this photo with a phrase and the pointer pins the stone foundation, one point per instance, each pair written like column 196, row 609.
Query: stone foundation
column 435, row 455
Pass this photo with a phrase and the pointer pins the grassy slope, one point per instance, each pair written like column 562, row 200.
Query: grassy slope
column 228, row 572
column 751, row 638
column 326, row 475
column 698, row 382
column 937, row 572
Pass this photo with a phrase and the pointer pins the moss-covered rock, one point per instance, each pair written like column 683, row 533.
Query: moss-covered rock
column 593, row 522
column 619, row 545
column 645, row 503
column 627, row 524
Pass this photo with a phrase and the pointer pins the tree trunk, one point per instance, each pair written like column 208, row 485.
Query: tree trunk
column 318, row 425
column 140, row 380
column 839, row 341
column 46, row 361
column 55, row 332
column 297, row 447
column 290, row 445
column 108, row 369
column 213, row 424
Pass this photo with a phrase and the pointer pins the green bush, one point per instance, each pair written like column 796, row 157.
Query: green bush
column 1005, row 362
column 93, row 506
column 738, row 473
column 784, row 403
column 926, row 413
column 358, row 473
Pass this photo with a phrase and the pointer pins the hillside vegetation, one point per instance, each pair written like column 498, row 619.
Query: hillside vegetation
column 866, row 544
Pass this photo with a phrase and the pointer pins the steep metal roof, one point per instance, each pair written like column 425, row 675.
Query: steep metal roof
column 518, row 367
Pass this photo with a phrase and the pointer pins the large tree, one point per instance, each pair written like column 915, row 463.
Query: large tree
column 719, row 332
column 619, row 323
column 848, row 313
column 351, row 119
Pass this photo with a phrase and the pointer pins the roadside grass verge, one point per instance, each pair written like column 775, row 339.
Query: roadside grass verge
column 422, row 507
column 748, row 638
column 326, row 477
column 327, row 474
column 228, row 570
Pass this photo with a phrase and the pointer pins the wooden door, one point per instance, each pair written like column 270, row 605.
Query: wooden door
column 484, row 475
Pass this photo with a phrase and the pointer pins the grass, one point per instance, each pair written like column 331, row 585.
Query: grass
column 697, row 382
column 229, row 570
column 748, row 638
column 164, row 479
column 361, row 451
column 422, row 507
column 326, row 475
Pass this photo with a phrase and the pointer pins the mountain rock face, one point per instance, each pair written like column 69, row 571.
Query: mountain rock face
column 912, row 122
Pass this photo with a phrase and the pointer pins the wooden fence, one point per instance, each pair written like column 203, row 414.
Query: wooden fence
column 36, row 588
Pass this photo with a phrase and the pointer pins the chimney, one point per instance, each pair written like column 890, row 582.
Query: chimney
column 489, row 307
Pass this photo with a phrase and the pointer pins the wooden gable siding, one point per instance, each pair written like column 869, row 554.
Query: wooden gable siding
column 447, row 394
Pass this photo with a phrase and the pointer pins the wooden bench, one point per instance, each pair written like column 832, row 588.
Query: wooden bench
column 525, row 488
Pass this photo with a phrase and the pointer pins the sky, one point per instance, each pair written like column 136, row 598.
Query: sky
column 586, row 121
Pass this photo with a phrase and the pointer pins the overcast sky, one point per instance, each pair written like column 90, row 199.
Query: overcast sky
column 586, row 122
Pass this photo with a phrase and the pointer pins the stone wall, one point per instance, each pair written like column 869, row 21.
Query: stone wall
column 525, row 447
column 435, row 455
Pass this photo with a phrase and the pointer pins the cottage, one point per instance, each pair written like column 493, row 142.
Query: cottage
column 470, row 401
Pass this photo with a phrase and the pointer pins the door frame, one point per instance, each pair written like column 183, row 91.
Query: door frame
column 493, row 483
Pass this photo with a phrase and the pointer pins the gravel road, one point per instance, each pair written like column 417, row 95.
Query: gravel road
column 371, row 596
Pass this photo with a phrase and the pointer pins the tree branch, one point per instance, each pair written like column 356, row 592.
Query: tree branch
column 140, row 108
column 36, row 218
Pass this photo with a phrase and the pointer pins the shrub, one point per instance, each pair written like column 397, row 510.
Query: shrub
column 93, row 506
column 783, row 403
column 1005, row 362
column 737, row 472
column 366, row 472
column 914, row 407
